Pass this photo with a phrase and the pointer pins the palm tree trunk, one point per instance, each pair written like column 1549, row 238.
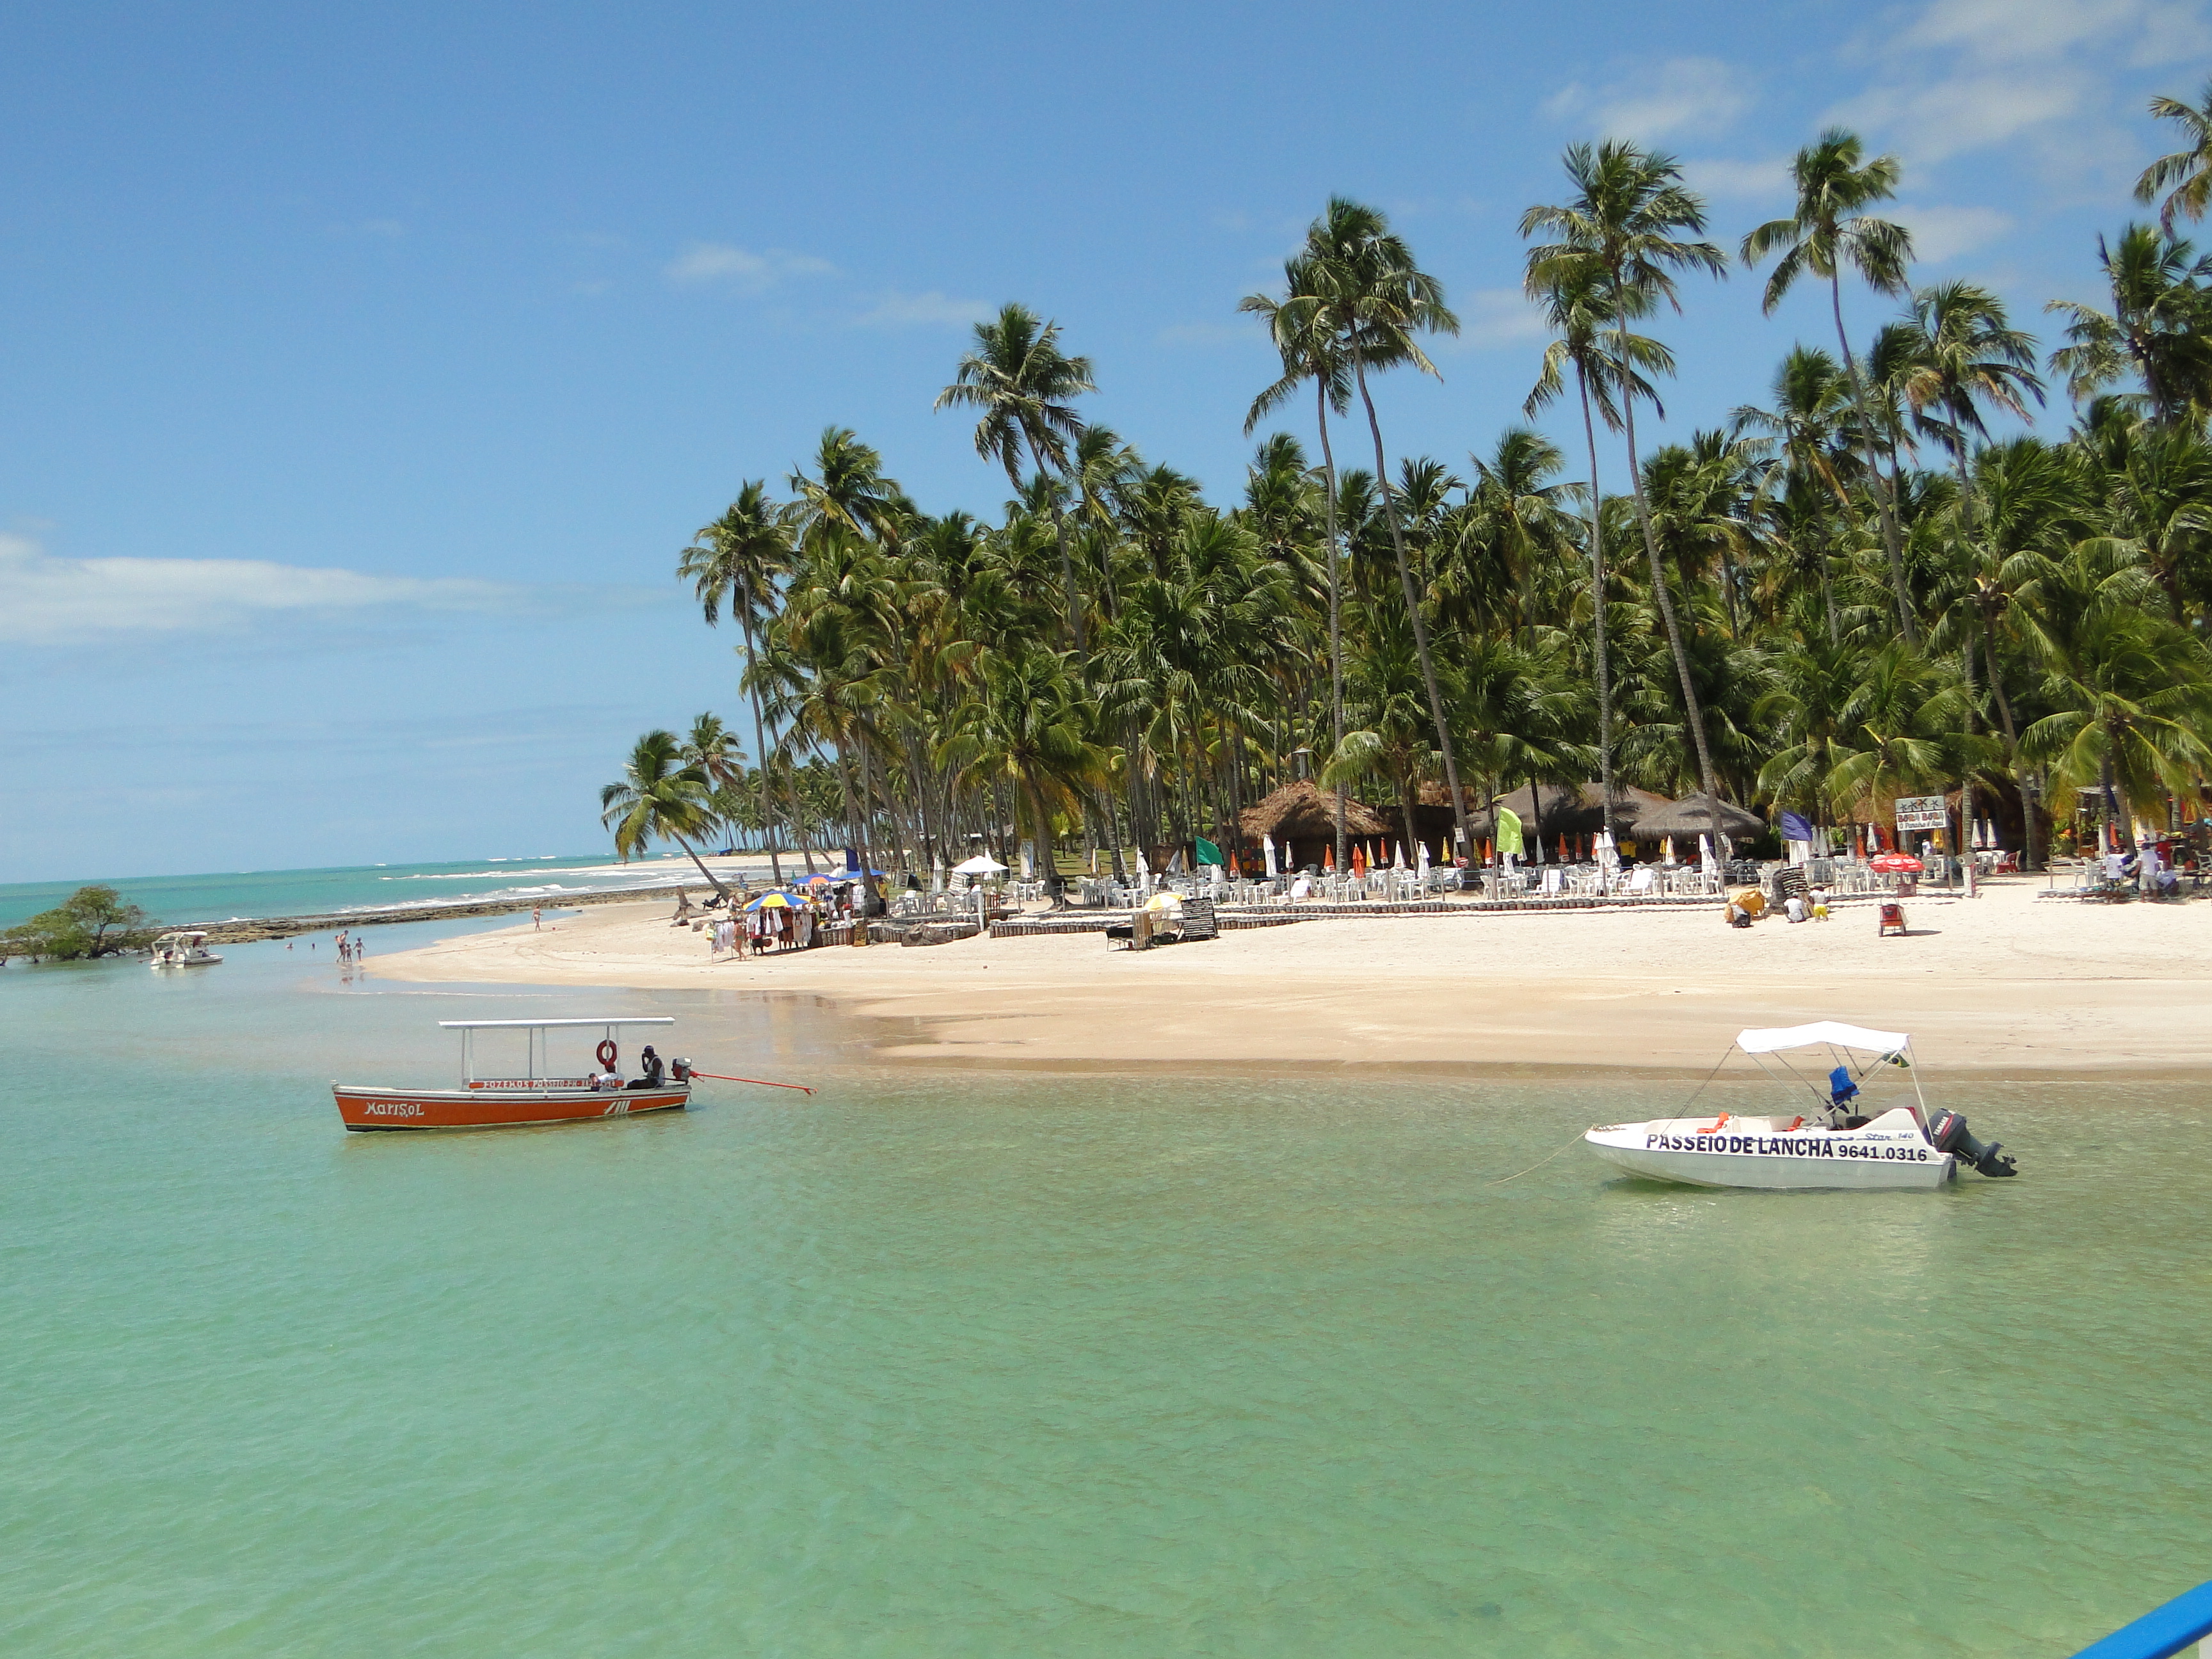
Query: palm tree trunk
column 1067, row 576
column 703, row 870
column 2028, row 813
column 760, row 740
column 1885, row 503
column 1335, row 606
column 1597, row 613
column 1413, row 605
column 1691, row 708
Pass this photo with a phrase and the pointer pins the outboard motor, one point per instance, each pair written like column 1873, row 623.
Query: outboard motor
column 1946, row 1130
column 679, row 1071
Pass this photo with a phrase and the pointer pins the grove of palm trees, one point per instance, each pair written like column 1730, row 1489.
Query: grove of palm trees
column 1943, row 547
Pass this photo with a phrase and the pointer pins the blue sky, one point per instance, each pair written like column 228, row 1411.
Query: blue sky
column 363, row 370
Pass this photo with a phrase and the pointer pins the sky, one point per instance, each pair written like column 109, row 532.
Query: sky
column 364, row 370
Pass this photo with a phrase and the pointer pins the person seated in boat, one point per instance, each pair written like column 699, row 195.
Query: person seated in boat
column 606, row 1078
column 655, row 1073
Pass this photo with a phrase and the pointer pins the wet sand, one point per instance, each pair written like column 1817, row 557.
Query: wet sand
column 2006, row 984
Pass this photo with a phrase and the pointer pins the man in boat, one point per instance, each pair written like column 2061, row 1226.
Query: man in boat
column 655, row 1073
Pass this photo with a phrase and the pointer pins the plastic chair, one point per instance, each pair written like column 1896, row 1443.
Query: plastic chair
column 1892, row 916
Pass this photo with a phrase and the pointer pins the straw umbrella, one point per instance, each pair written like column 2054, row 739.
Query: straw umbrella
column 1302, row 811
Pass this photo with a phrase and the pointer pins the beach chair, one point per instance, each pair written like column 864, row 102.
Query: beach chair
column 1892, row 916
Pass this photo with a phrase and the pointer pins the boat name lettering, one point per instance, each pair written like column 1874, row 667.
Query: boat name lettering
column 1789, row 1147
column 393, row 1109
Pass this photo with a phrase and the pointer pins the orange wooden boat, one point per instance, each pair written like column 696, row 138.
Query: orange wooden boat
column 539, row 1095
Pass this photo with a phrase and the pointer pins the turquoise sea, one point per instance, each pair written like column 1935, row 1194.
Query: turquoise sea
column 182, row 900
column 944, row 1363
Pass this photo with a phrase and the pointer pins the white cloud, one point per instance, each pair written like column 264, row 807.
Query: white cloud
column 740, row 268
column 1722, row 180
column 2034, row 75
column 932, row 310
column 45, row 600
column 1941, row 232
column 1683, row 95
column 1497, row 317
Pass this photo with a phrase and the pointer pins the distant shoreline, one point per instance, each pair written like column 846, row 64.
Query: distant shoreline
column 245, row 930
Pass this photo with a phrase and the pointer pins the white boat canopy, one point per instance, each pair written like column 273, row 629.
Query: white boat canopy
column 1821, row 1033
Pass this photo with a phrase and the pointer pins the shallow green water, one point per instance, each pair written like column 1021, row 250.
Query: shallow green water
column 1003, row 1365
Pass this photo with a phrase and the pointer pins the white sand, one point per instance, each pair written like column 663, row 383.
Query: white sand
column 2005, row 984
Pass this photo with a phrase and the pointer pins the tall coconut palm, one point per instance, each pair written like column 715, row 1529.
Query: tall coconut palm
column 2160, row 327
column 1301, row 331
column 1028, row 727
column 739, row 558
column 1024, row 385
column 1574, row 295
column 2186, row 174
column 851, row 490
column 1374, row 299
column 1632, row 215
column 1832, row 229
column 1968, row 354
column 657, row 798
column 1802, row 434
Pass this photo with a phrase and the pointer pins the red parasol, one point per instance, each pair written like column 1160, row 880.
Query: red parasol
column 1896, row 864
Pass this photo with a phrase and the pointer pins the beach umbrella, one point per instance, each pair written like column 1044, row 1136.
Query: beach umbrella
column 1398, row 857
column 1267, row 848
column 1896, row 864
column 769, row 901
column 1424, row 857
column 984, row 865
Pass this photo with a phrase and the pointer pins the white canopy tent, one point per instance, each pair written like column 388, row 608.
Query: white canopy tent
column 982, row 865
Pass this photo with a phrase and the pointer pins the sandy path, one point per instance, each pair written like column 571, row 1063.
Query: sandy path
column 2006, row 984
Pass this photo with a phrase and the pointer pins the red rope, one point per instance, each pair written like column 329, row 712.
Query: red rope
column 722, row 1076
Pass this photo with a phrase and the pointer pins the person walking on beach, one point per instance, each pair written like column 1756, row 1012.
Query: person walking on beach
column 535, row 913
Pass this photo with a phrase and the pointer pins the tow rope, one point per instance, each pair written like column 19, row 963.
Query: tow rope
column 723, row 1077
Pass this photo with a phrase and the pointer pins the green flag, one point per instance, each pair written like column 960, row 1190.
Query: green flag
column 1509, row 831
column 1208, row 852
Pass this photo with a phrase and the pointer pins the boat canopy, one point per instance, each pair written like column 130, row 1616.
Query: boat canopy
column 1821, row 1033
column 544, row 1024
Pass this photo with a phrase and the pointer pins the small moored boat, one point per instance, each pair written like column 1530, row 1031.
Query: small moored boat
column 539, row 1095
column 185, row 949
column 1842, row 1139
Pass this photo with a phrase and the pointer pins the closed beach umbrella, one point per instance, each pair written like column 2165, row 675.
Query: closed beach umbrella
column 1267, row 846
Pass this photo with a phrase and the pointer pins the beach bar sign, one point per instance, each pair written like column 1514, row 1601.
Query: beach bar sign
column 1921, row 812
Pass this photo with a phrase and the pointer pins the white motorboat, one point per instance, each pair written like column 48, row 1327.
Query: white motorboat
column 182, row 950
column 1843, row 1138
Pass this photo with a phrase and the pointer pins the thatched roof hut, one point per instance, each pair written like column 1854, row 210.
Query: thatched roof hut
column 1693, row 816
column 1302, row 817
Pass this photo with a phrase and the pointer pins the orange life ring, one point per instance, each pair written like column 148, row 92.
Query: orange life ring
column 607, row 1052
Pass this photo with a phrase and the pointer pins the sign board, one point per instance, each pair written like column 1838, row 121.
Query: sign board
column 1921, row 812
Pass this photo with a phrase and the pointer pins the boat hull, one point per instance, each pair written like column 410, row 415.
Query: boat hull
column 1884, row 1157
column 369, row 1109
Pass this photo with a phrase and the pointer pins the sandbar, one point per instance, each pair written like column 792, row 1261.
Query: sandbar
column 2006, row 984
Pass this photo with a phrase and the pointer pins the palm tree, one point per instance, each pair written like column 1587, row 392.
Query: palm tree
column 1628, row 206
column 740, row 557
column 852, row 490
column 1803, row 434
column 1028, row 725
column 2185, row 176
column 1968, row 354
column 1832, row 229
column 1373, row 299
column 1300, row 328
column 1573, row 293
column 659, row 799
column 1023, row 384
column 2160, row 327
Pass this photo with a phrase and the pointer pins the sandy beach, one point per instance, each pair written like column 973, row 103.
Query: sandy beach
column 2004, row 984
